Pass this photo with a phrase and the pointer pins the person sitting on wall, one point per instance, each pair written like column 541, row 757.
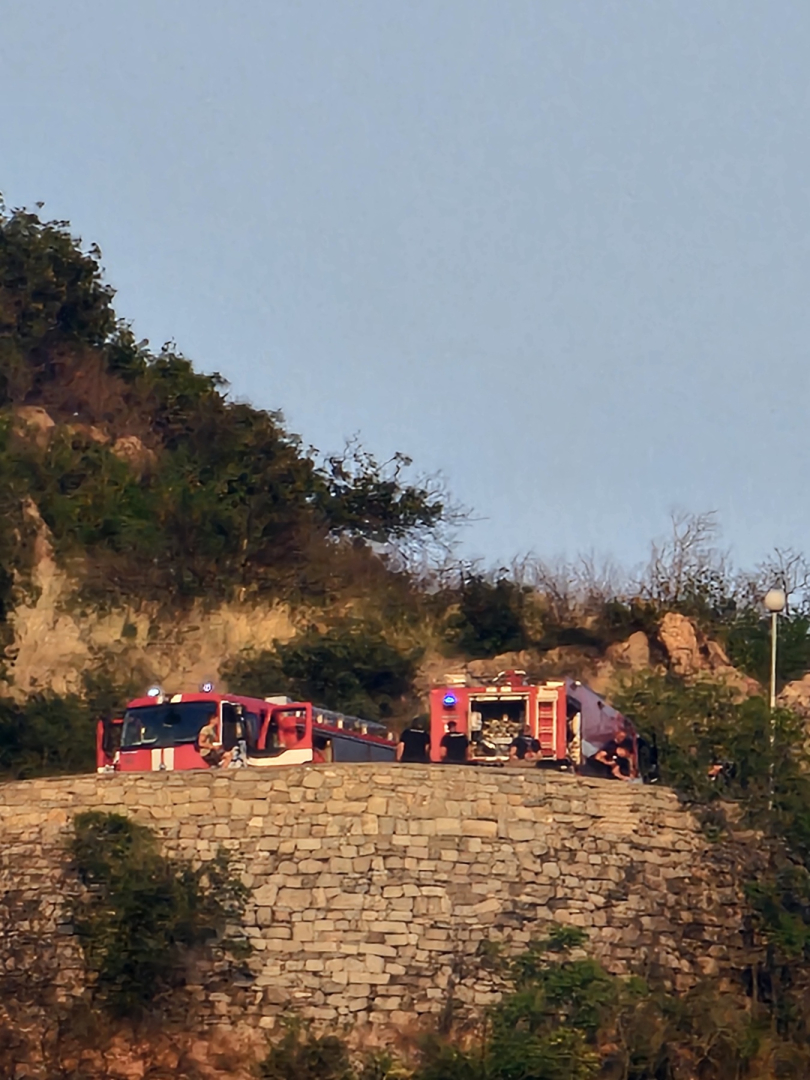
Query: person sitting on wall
column 207, row 740
column 455, row 746
column 625, row 759
column 621, row 737
column 523, row 747
column 613, row 761
column 414, row 743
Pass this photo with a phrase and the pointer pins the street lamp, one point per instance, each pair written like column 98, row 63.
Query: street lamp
column 775, row 601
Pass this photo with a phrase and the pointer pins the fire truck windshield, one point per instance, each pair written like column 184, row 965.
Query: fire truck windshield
column 165, row 725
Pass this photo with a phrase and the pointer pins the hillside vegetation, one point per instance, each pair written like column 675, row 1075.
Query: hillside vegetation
column 149, row 487
column 143, row 469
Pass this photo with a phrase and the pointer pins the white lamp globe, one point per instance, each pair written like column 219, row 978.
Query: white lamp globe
column 775, row 600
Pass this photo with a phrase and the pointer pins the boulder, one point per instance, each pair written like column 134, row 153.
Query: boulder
column 34, row 422
column 796, row 695
column 88, row 431
column 129, row 448
column 633, row 653
column 715, row 656
column 679, row 638
column 691, row 654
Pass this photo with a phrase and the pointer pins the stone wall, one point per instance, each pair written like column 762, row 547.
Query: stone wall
column 372, row 886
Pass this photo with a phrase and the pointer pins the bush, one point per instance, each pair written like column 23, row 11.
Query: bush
column 701, row 724
column 301, row 1055
column 350, row 667
column 142, row 912
column 46, row 735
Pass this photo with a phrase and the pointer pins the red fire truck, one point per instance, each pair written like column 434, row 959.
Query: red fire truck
column 160, row 732
column 568, row 720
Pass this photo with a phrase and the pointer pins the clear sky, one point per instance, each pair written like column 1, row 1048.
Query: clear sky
column 557, row 249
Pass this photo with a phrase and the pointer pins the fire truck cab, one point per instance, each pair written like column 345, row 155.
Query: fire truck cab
column 161, row 732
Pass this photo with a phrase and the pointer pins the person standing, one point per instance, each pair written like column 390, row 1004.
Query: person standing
column 455, row 746
column 414, row 743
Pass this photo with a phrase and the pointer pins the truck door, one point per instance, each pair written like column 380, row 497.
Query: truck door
column 233, row 725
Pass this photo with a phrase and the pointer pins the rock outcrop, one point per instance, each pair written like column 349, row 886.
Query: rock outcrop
column 131, row 449
column 796, row 696
column 692, row 654
column 634, row 653
column 56, row 642
column 34, row 422
column 679, row 638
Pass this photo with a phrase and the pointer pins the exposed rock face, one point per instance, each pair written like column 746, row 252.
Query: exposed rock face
column 678, row 636
column 55, row 644
column 89, row 431
column 129, row 448
column 691, row 654
column 33, row 422
column 796, row 695
column 633, row 653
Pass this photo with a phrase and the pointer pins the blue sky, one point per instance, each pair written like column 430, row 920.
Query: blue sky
column 556, row 249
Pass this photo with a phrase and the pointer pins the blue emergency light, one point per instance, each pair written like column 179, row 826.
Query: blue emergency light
column 449, row 700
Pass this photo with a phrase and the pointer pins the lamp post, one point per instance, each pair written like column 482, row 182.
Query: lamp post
column 775, row 601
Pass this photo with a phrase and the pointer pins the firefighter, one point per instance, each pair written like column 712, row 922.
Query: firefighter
column 414, row 742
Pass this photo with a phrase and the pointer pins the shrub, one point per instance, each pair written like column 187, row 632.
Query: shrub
column 45, row 735
column 563, row 1017
column 700, row 724
column 301, row 1055
column 142, row 913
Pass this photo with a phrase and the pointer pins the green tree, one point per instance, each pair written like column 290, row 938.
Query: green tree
column 748, row 643
column 142, row 913
column 350, row 666
column 489, row 618
column 46, row 735
column 52, row 298
column 363, row 498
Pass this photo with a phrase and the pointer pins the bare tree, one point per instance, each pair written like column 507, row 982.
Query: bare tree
column 687, row 564
column 786, row 569
column 571, row 589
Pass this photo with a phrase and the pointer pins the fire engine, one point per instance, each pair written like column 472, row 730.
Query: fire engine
column 568, row 719
column 160, row 732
